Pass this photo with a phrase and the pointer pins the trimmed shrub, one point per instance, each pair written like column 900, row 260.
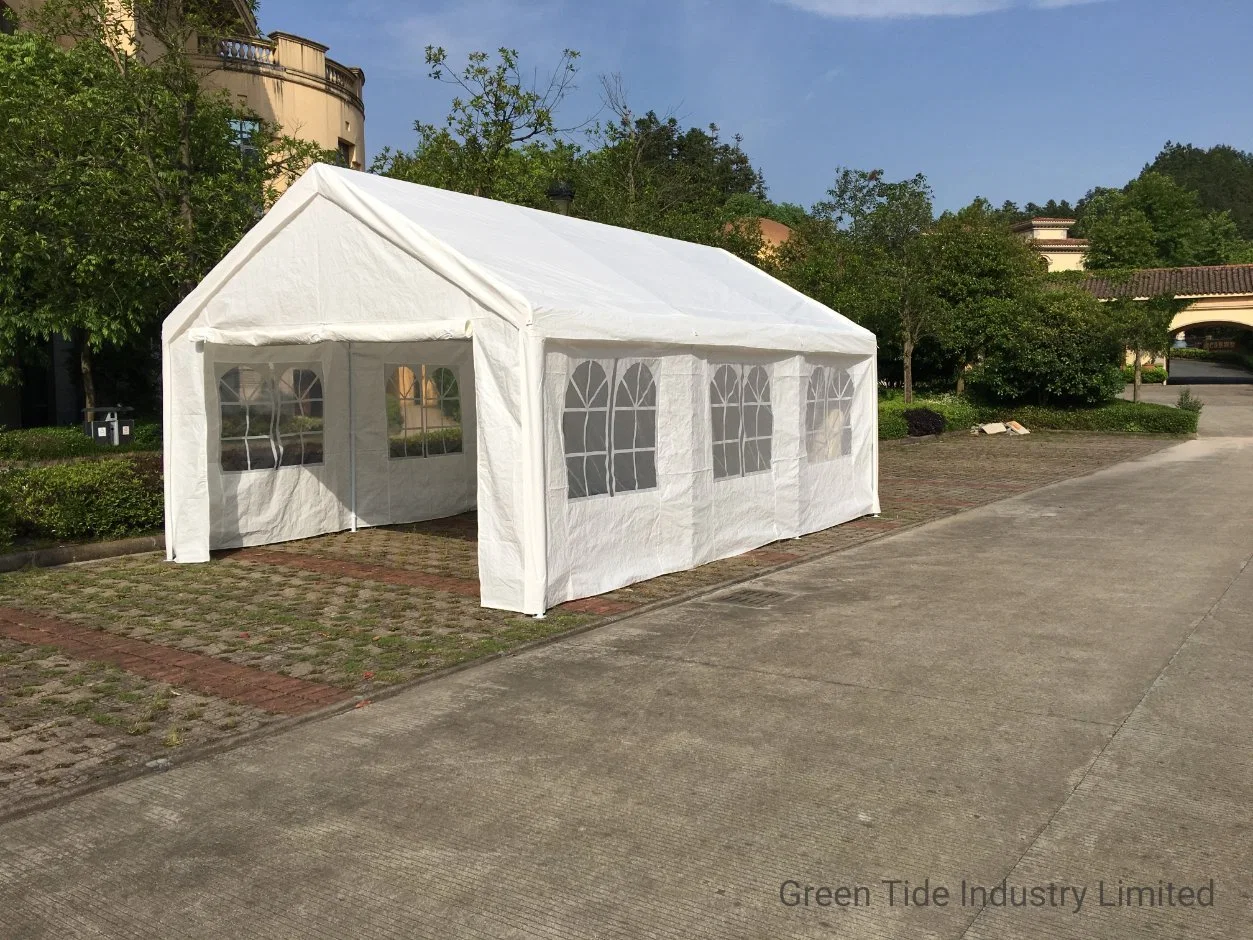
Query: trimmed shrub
column 892, row 424
column 1116, row 416
column 924, row 421
column 34, row 444
column 1143, row 418
column 1150, row 375
column 86, row 500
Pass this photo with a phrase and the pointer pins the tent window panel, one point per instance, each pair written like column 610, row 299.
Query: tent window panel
column 609, row 448
column 585, row 431
column 247, row 409
column 742, row 419
column 423, row 411
column 758, row 420
column 829, row 414
column 635, row 431
column 300, row 416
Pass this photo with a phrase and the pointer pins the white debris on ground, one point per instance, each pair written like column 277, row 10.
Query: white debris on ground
column 1000, row 427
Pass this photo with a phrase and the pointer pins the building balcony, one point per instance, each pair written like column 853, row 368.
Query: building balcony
column 288, row 56
column 290, row 81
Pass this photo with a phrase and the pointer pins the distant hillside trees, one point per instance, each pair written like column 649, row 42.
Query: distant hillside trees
column 1221, row 177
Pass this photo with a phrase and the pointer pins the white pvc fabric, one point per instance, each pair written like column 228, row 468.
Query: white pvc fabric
column 616, row 405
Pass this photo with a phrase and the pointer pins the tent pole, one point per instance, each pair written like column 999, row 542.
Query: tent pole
column 352, row 445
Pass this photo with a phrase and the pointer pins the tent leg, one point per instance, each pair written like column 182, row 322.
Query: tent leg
column 352, row 446
column 540, row 617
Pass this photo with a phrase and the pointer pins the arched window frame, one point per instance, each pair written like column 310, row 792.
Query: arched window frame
column 742, row 419
column 423, row 410
column 270, row 416
column 633, row 430
column 829, row 398
column 609, row 427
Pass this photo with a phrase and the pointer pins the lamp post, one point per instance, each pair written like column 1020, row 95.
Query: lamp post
column 562, row 194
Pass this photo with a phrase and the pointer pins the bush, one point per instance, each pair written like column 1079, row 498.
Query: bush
column 1115, row 416
column 33, row 444
column 1189, row 402
column 86, row 500
column 924, row 421
column 1143, row 418
column 892, row 424
column 1059, row 351
column 1150, row 375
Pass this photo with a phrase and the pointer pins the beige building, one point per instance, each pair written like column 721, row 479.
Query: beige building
column 284, row 79
column 1218, row 295
column 1051, row 237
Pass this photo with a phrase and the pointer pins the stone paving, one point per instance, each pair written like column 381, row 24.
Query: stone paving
column 264, row 633
column 1047, row 690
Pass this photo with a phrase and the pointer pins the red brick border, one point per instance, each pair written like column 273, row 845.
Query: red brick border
column 387, row 575
column 282, row 695
column 355, row 569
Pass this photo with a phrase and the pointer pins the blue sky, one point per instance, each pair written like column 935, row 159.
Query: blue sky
column 1007, row 99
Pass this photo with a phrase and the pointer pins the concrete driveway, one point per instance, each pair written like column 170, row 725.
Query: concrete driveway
column 1051, row 691
column 1228, row 410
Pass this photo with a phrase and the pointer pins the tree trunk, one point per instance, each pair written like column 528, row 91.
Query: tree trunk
column 185, row 209
column 1135, row 387
column 909, row 369
column 85, row 367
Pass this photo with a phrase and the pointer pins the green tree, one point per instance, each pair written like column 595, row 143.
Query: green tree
column 1060, row 350
column 499, row 139
column 650, row 173
column 1142, row 326
column 981, row 274
column 1154, row 222
column 1221, row 177
column 123, row 182
column 886, row 225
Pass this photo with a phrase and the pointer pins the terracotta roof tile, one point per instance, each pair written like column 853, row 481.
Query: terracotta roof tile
column 1182, row 282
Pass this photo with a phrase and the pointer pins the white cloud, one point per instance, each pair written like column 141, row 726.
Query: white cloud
column 901, row 9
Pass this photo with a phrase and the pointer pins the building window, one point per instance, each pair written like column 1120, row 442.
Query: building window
column 828, row 414
column 610, row 450
column 345, row 152
column 423, row 411
column 246, row 138
column 743, row 420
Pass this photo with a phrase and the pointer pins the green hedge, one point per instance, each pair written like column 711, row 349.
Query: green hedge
column 960, row 415
column 83, row 501
column 1149, row 375
column 34, row 444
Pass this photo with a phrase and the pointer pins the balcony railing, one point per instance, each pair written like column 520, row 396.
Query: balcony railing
column 341, row 77
column 243, row 51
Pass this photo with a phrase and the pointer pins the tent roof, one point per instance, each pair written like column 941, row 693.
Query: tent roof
column 573, row 279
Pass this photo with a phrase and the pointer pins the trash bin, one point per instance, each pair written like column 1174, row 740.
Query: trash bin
column 109, row 426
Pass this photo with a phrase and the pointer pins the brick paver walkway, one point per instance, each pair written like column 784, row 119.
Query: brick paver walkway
column 272, row 693
column 290, row 628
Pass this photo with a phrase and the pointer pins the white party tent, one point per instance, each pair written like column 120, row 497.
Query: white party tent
column 616, row 405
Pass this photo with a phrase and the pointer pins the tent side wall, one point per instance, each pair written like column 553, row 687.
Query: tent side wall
column 749, row 447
